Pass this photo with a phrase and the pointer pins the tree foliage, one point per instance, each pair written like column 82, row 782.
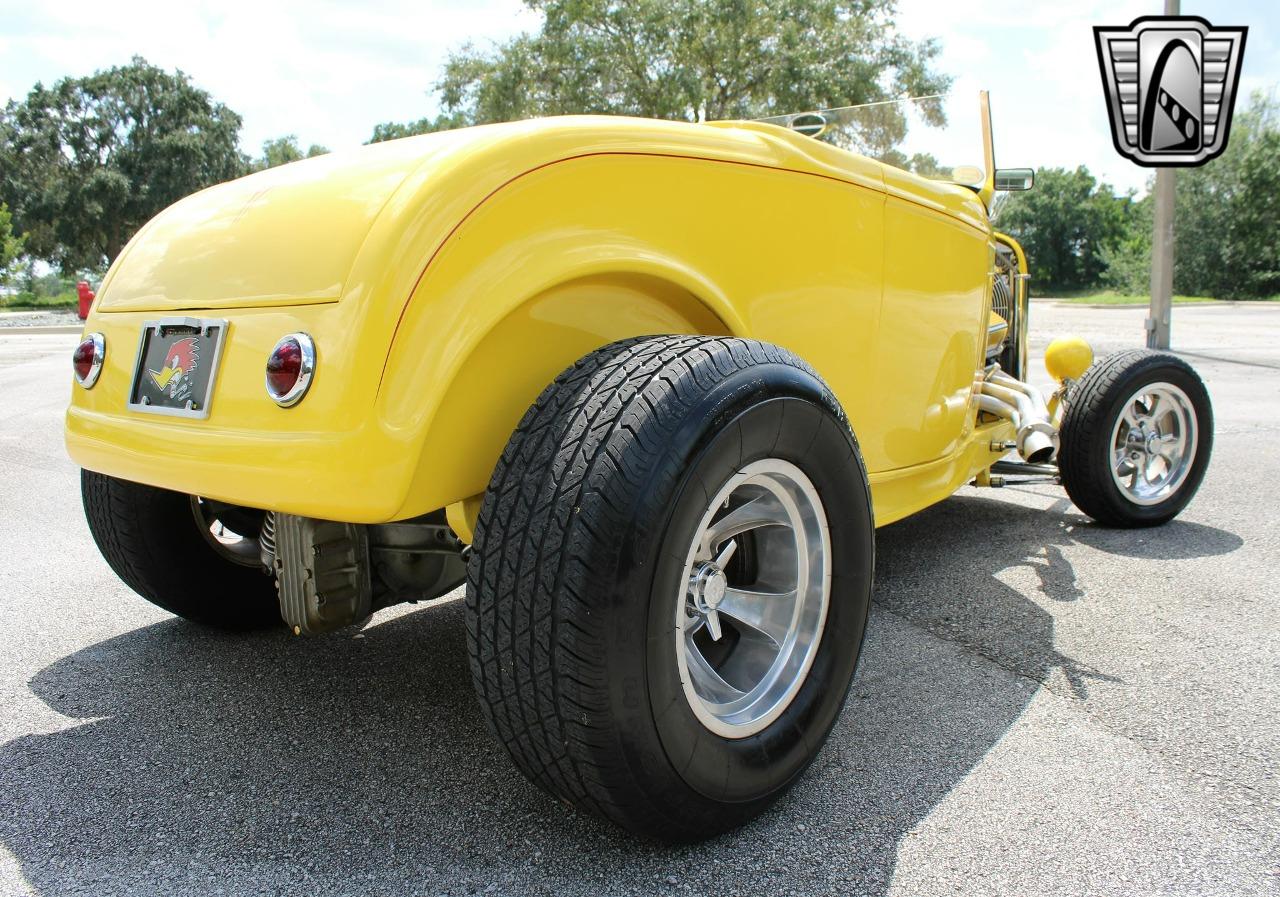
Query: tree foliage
column 1128, row 261
column 282, row 151
column 86, row 162
column 10, row 245
column 1079, row 236
column 685, row 59
column 1228, row 212
column 1069, row 226
column 393, row 130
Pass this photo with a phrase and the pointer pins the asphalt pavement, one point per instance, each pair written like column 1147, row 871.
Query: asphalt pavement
column 1044, row 706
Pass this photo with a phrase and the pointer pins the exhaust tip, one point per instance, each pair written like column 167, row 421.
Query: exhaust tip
column 1037, row 447
column 1041, row 456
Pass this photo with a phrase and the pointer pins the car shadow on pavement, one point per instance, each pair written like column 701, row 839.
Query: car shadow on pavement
column 359, row 763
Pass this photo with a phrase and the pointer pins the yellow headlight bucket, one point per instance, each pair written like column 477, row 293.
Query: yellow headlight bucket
column 1067, row 358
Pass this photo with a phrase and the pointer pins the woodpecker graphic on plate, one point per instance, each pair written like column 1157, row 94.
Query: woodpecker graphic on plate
column 175, row 376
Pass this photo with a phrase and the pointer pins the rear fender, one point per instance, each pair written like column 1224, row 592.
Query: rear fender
column 493, row 379
column 581, row 253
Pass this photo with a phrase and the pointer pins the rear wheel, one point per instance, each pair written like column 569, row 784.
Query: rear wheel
column 670, row 581
column 194, row 558
column 1136, row 438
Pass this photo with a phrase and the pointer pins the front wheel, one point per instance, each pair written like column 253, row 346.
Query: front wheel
column 670, row 581
column 1136, row 438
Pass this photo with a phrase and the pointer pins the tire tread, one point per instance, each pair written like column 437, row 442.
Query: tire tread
column 149, row 538
column 533, row 624
column 1088, row 413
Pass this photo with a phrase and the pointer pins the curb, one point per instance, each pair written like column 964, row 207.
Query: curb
column 1217, row 303
column 35, row 331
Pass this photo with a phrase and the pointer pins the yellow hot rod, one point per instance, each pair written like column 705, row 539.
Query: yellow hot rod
column 647, row 387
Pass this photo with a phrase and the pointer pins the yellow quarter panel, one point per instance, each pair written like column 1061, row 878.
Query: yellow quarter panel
column 625, row 245
column 933, row 323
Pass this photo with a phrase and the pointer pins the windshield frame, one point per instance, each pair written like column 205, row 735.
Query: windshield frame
column 932, row 111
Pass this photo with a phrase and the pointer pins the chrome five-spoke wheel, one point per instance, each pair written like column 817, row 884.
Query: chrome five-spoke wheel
column 758, row 578
column 1154, row 443
column 1136, row 437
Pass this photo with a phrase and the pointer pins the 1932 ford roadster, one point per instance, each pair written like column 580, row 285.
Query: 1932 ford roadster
column 647, row 387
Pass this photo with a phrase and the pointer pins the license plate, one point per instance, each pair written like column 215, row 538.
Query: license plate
column 177, row 362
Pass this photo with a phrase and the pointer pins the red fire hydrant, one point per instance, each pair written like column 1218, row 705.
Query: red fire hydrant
column 86, row 298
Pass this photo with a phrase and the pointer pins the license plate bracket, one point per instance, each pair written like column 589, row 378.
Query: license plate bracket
column 176, row 366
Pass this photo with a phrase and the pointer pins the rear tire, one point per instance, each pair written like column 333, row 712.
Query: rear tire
column 151, row 538
column 580, row 609
column 1136, row 438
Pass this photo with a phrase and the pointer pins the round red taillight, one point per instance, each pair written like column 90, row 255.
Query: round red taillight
column 86, row 360
column 290, row 368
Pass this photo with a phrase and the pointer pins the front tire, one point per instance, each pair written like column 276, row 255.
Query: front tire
column 602, row 551
column 1136, row 438
column 159, row 542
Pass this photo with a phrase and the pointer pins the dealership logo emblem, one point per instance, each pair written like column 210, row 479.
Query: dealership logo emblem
column 181, row 361
column 1170, row 83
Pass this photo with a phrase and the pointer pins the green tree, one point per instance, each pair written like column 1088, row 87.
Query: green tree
column 1128, row 261
column 85, row 163
column 284, row 150
column 393, row 130
column 687, row 59
column 1068, row 225
column 1228, row 212
column 923, row 164
column 10, row 246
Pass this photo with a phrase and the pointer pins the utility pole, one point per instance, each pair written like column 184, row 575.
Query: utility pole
column 1158, row 322
column 1162, row 261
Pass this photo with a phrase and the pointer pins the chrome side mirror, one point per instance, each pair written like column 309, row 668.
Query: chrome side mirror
column 1014, row 179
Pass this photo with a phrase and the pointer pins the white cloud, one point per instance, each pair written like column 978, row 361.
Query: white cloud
column 328, row 70
column 1039, row 62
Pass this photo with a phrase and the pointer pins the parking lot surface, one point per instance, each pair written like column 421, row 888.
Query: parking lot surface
column 1043, row 706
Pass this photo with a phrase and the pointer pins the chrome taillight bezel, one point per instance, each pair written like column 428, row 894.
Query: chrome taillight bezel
column 95, row 365
column 306, row 372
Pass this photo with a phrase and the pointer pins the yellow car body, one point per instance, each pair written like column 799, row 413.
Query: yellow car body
column 447, row 279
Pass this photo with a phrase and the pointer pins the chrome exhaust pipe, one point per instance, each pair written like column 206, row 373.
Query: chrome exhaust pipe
column 1023, row 405
column 992, row 405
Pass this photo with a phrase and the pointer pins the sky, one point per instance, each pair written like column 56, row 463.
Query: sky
column 328, row 71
